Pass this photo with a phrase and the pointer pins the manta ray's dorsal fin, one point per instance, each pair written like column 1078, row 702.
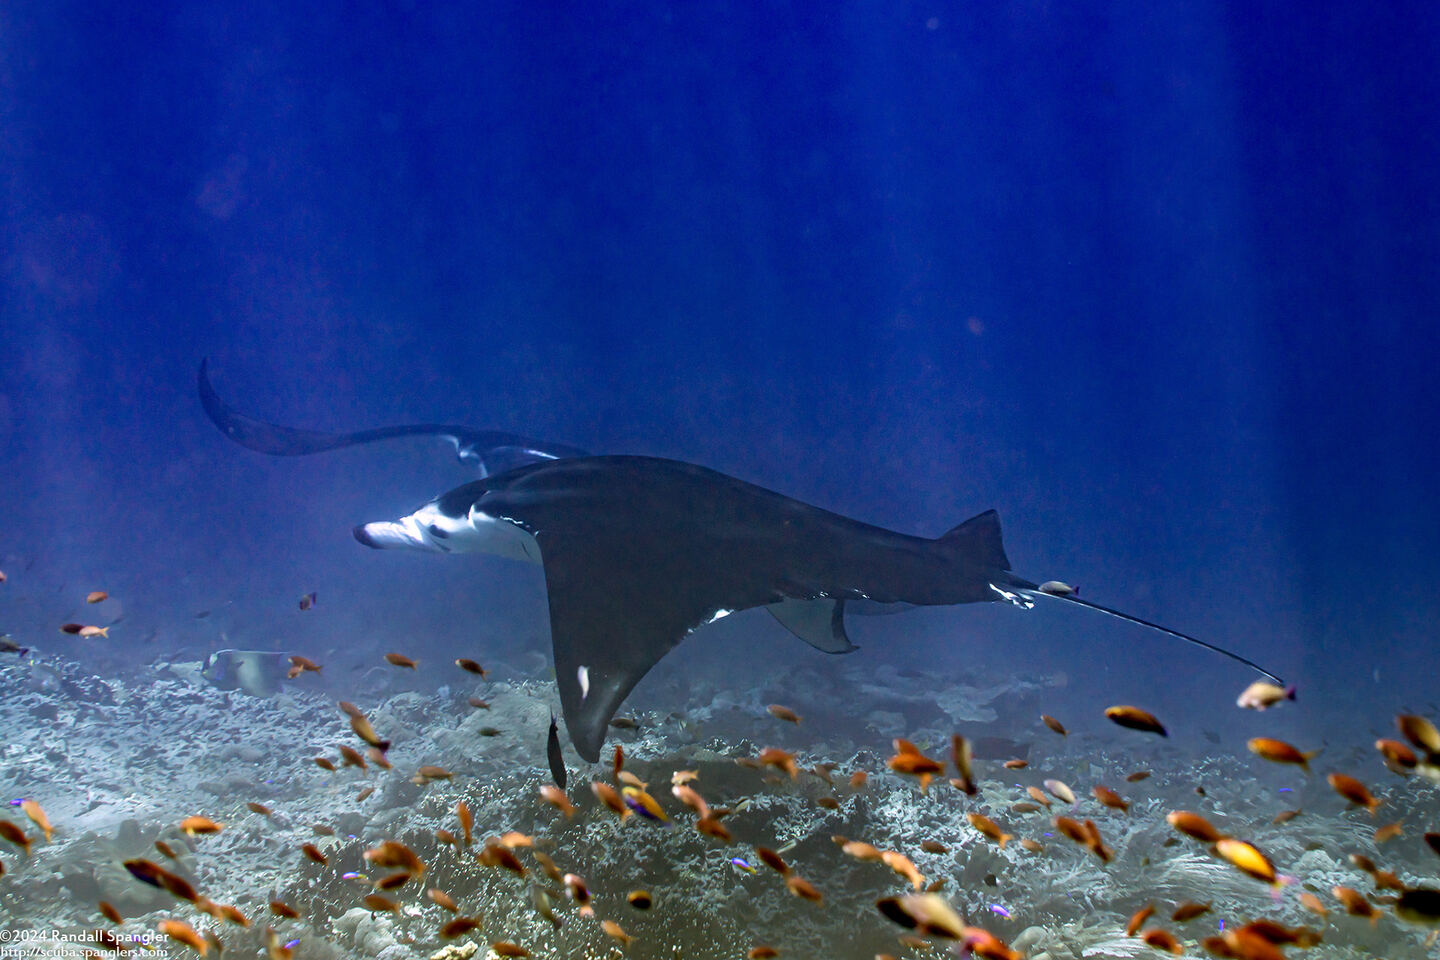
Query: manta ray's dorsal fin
column 979, row 540
column 490, row 450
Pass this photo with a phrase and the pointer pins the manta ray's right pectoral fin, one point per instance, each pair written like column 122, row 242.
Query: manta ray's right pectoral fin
column 820, row 623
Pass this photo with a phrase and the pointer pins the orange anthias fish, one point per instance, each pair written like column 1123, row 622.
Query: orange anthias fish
column 459, row 927
column 12, row 833
column 1138, row 918
column 1388, row 832
column 282, row 909
column 803, row 888
column 608, row 796
column 494, row 855
column 1398, row 757
column 299, row 665
column 182, row 932
column 380, row 904
column 556, row 797
column 772, row 860
column 1193, row 825
column 908, row 760
column 988, row 828
column 614, row 931
column 689, row 796
column 984, row 944
column 712, row 827
column 37, row 816
column 1355, row 903
column 903, row 865
column 781, row 712
column 1087, row 835
column 365, row 731
column 1354, row 791
column 1278, row 751
column 861, row 850
column 467, row 821
column 779, row 759
column 1162, row 940
column 1134, row 718
column 393, row 855
column 1110, row 798
column 200, row 825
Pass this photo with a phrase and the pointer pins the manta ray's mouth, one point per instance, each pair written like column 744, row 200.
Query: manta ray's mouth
column 405, row 533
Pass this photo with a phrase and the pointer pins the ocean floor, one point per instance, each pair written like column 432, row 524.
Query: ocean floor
column 117, row 762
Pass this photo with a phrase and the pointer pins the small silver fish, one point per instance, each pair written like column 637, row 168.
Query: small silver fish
column 1261, row 695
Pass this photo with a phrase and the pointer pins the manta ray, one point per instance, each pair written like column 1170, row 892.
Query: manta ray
column 639, row 552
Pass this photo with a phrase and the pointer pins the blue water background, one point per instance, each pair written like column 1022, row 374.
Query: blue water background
column 1159, row 282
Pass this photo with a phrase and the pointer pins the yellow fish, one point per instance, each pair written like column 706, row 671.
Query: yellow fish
column 642, row 803
column 1246, row 858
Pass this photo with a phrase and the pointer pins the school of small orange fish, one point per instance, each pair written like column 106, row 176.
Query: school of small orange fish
column 389, row 877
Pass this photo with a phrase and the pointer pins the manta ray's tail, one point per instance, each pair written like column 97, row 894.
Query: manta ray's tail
column 1031, row 591
column 492, row 451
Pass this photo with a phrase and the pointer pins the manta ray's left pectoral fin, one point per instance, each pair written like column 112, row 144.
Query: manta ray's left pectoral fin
column 820, row 622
